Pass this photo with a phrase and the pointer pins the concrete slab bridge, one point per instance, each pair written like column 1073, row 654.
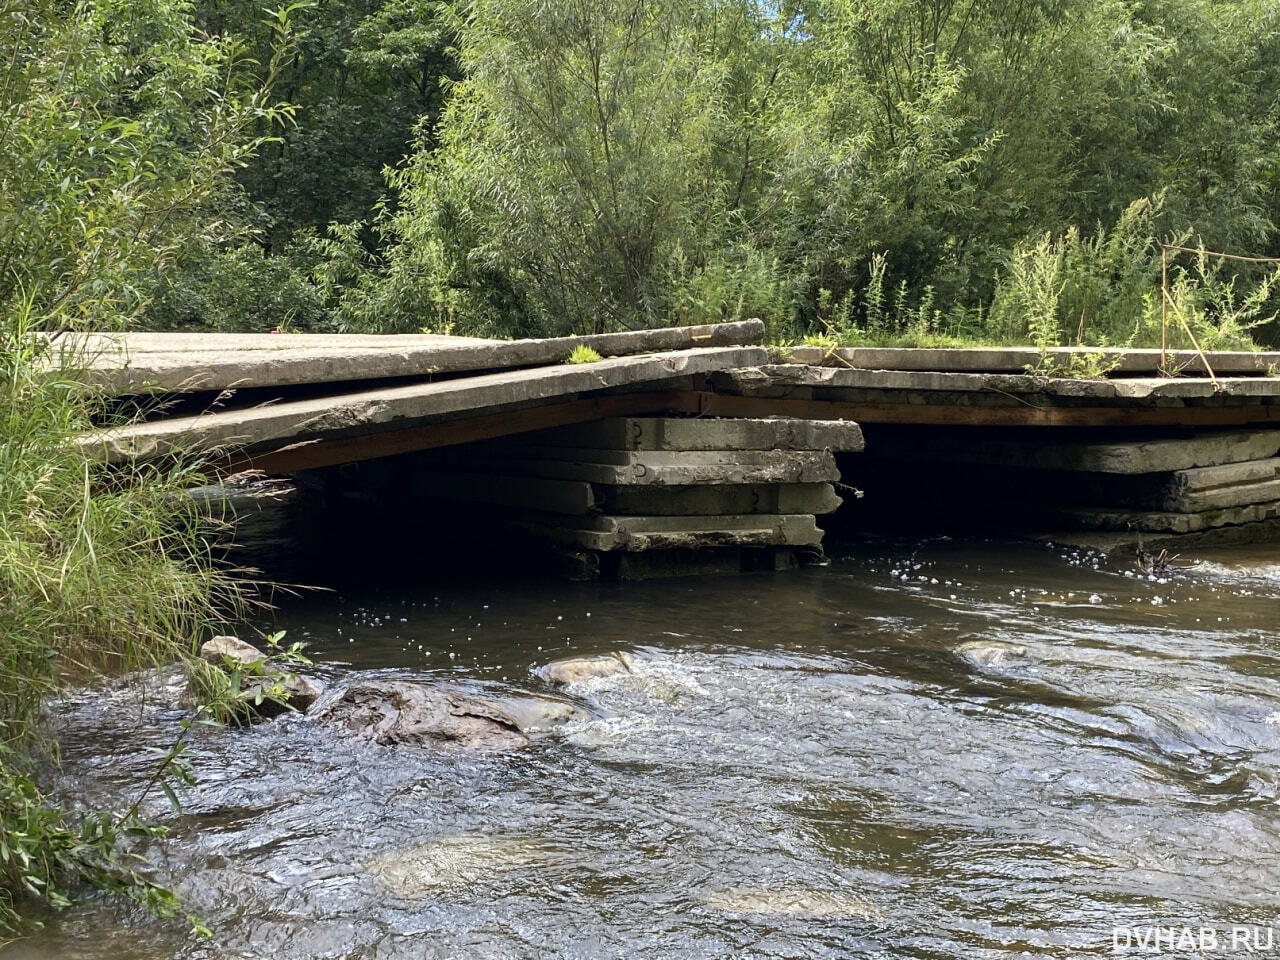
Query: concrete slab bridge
column 697, row 447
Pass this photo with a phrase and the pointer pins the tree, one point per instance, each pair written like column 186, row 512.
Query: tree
column 584, row 178
column 118, row 125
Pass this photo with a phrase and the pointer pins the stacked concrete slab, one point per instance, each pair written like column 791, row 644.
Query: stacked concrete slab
column 637, row 497
column 1176, row 486
column 1213, row 481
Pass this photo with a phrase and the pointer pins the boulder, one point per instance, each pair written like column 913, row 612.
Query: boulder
column 300, row 692
column 456, row 864
column 400, row 712
column 563, row 673
column 534, row 715
column 992, row 654
column 233, row 649
column 793, row 902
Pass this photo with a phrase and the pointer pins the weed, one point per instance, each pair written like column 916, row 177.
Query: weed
column 99, row 572
column 1201, row 308
column 234, row 691
column 583, row 354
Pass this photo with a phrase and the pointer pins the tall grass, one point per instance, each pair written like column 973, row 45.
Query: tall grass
column 1110, row 287
column 99, row 573
column 120, row 128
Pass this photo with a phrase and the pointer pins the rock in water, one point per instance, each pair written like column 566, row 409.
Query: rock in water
column 261, row 674
column 563, row 673
column 399, row 712
column 302, row 692
column 535, row 715
column 992, row 654
column 233, row 649
column 793, row 902
column 455, row 864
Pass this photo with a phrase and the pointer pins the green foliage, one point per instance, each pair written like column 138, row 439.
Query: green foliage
column 583, row 354
column 119, row 125
column 1206, row 309
column 116, row 127
column 97, row 574
column 368, row 78
column 44, row 855
column 876, row 153
column 366, row 75
column 234, row 692
column 1086, row 290
column 241, row 289
column 604, row 164
column 579, row 182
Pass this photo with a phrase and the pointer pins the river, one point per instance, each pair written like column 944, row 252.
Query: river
column 805, row 764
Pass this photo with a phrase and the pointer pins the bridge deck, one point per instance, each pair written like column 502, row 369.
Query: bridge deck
column 1120, row 362
column 344, row 423
column 149, row 363
column 288, row 401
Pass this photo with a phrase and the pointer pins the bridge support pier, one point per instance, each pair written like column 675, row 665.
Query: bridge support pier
column 1168, row 488
column 643, row 497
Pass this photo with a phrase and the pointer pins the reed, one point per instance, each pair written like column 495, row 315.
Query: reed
column 99, row 574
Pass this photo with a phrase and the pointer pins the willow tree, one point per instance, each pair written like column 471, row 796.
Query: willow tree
column 605, row 163
column 590, row 167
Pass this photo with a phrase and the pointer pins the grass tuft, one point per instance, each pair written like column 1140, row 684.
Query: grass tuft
column 101, row 572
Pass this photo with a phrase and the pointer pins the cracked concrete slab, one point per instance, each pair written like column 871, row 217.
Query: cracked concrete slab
column 370, row 411
column 187, row 362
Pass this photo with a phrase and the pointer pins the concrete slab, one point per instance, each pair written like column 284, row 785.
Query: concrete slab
column 1218, row 498
column 1166, row 522
column 185, row 362
column 636, row 534
column 1205, row 478
column 711, row 500
column 518, row 450
column 977, row 409
column 1185, row 491
column 687, row 469
column 1134, row 457
column 371, row 411
column 578, row 498
column 784, row 379
column 707, row 433
column 1018, row 359
column 1120, row 543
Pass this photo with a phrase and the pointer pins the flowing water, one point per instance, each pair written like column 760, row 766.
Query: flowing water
column 840, row 761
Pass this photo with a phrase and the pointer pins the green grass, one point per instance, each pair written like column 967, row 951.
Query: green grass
column 100, row 573
column 583, row 354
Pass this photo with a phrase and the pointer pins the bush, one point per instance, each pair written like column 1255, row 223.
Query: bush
column 118, row 132
column 240, row 290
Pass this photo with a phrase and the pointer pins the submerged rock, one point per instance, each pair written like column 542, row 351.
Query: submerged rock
column 992, row 654
column 564, row 673
column 792, row 902
column 454, row 864
column 533, row 715
column 401, row 712
column 302, row 692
